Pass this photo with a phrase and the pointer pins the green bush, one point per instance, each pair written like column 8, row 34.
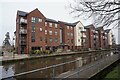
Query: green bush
column 37, row 52
column 47, row 51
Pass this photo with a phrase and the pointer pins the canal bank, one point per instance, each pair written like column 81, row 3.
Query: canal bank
column 108, row 72
column 50, row 67
column 28, row 57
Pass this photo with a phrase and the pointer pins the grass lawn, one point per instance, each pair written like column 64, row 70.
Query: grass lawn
column 115, row 73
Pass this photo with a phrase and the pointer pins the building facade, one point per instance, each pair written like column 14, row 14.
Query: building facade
column 36, row 32
column 67, row 33
column 79, row 36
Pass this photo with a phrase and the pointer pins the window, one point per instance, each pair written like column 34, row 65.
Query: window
column 78, row 40
column 33, row 37
column 50, row 39
column 39, row 20
column 72, row 41
column 50, row 24
column 41, row 38
column 56, row 32
column 68, row 34
column 33, row 28
column 56, row 39
column 67, row 27
column 55, row 25
column 45, row 31
column 50, row 32
column 40, row 29
column 71, row 27
column 33, row 19
column 71, row 34
column 45, row 23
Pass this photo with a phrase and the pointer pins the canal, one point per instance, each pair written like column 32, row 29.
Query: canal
column 11, row 69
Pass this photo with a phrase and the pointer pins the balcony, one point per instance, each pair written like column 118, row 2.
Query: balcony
column 83, row 37
column 23, row 31
column 23, row 42
column 95, row 32
column 23, row 21
column 95, row 38
column 83, row 30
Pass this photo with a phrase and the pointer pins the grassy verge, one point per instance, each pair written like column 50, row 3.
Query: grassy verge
column 115, row 73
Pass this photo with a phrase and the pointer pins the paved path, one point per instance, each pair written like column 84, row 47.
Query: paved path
column 10, row 57
column 91, row 69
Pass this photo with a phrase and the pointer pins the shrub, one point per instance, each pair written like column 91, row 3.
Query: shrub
column 37, row 51
column 48, row 51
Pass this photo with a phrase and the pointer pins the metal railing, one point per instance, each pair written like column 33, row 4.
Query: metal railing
column 22, row 20
column 23, row 31
column 100, row 65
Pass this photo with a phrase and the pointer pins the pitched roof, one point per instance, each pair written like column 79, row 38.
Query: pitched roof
column 22, row 13
column 69, row 24
column 88, row 26
column 107, row 30
column 50, row 20
column 98, row 28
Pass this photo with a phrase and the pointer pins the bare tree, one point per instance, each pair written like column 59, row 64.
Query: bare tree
column 104, row 12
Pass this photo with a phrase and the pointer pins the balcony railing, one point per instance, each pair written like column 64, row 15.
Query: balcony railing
column 22, row 20
column 83, row 37
column 22, row 42
column 95, row 32
column 23, row 31
column 83, row 30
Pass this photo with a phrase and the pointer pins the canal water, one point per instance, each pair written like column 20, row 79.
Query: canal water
column 11, row 69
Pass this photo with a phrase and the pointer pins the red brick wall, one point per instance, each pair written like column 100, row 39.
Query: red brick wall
column 65, row 35
column 38, row 33
column 53, row 36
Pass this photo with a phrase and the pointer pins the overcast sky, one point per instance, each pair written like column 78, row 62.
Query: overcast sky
column 53, row 9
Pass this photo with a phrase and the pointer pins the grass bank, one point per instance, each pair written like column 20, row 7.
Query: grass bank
column 115, row 73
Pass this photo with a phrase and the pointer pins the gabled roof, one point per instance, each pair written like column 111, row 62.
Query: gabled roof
column 107, row 30
column 69, row 24
column 89, row 26
column 98, row 28
column 76, row 22
column 50, row 20
column 22, row 13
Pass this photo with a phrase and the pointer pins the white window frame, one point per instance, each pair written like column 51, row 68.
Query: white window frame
column 45, row 23
column 50, row 24
column 39, row 20
column 56, row 33
column 32, row 19
column 68, row 27
column 71, row 34
column 50, row 32
column 71, row 28
column 40, row 29
column 56, row 25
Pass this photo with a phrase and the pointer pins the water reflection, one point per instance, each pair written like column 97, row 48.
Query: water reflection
column 7, row 71
column 28, row 65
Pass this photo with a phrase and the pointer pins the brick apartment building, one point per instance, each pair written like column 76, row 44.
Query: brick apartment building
column 79, row 36
column 96, row 37
column 67, row 35
column 91, row 36
column 36, row 32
